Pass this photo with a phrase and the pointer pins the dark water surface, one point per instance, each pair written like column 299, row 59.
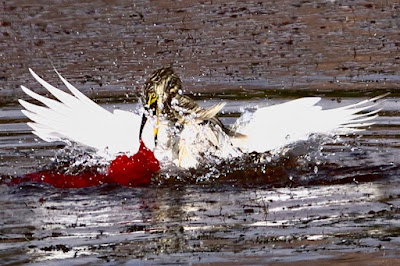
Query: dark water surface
column 323, row 201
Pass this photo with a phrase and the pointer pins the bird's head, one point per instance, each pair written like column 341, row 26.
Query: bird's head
column 159, row 90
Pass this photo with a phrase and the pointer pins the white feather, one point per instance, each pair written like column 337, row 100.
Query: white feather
column 78, row 119
column 278, row 125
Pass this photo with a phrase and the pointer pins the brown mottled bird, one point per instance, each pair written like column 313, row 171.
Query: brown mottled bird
column 163, row 99
column 163, row 96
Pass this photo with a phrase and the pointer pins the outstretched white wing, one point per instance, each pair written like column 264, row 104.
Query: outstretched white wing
column 76, row 118
column 278, row 125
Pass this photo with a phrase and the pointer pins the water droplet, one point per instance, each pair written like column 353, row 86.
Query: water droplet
column 174, row 101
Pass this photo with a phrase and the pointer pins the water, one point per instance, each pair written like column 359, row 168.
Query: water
column 317, row 198
column 324, row 201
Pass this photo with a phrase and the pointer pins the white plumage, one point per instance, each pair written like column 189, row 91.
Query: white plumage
column 278, row 125
column 76, row 118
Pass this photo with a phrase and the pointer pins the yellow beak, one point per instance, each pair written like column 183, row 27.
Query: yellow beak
column 157, row 124
column 152, row 99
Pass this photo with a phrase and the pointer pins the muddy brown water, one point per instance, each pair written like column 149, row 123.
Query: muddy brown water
column 333, row 201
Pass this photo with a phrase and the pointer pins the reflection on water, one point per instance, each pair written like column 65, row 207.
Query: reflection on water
column 116, row 223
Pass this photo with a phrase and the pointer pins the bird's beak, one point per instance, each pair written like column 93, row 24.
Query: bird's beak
column 144, row 120
column 156, row 128
column 151, row 104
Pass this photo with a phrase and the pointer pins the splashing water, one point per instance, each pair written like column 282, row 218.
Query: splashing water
column 300, row 163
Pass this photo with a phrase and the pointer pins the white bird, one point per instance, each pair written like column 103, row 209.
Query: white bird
column 177, row 129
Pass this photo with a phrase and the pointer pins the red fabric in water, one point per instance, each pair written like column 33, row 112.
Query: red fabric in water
column 133, row 171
